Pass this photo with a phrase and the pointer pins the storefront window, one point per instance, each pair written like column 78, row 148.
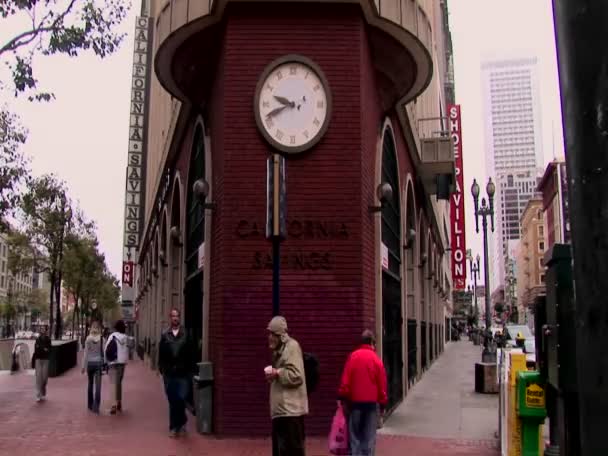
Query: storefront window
column 392, row 342
column 195, row 222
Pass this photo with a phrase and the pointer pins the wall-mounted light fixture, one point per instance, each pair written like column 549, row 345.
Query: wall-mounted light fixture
column 200, row 188
column 176, row 235
column 410, row 237
column 423, row 259
column 384, row 192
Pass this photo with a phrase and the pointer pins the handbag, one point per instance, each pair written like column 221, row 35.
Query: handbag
column 338, row 435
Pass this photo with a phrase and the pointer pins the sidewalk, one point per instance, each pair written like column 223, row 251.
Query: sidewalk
column 63, row 426
column 444, row 403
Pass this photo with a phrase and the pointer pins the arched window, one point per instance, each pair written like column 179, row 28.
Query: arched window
column 392, row 339
column 422, row 267
column 195, row 215
column 410, row 285
column 195, row 237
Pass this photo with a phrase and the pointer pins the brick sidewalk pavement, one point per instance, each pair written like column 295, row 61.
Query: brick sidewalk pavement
column 63, row 426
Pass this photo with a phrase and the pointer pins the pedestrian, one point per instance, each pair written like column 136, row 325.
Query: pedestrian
column 363, row 395
column 92, row 363
column 116, row 354
column 176, row 363
column 40, row 360
column 288, row 395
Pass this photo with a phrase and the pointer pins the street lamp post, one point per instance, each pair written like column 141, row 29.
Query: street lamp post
column 475, row 274
column 486, row 210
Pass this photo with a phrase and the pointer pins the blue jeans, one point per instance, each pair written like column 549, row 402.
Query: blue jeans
column 94, row 389
column 362, row 426
column 177, row 389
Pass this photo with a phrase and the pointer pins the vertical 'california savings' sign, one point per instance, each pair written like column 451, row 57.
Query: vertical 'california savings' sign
column 459, row 260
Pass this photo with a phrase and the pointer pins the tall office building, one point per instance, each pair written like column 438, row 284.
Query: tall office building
column 513, row 147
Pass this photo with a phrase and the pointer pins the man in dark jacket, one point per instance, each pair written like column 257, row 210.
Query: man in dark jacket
column 42, row 351
column 175, row 364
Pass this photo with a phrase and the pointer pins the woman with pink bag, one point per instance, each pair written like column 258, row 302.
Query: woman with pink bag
column 363, row 393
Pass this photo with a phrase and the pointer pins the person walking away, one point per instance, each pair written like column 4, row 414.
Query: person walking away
column 42, row 352
column 288, row 395
column 175, row 363
column 116, row 354
column 363, row 394
column 92, row 363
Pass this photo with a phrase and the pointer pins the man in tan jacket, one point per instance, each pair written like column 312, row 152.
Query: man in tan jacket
column 288, row 396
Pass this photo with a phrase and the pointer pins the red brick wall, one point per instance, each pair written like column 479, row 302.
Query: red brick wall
column 371, row 130
column 324, row 306
column 332, row 184
column 219, row 267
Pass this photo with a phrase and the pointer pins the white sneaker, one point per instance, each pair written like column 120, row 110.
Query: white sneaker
column 38, row 399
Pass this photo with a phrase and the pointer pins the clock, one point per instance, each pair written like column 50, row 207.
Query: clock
column 292, row 104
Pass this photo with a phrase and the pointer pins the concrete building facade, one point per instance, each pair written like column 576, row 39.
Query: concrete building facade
column 17, row 283
column 514, row 190
column 513, row 139
column 349, row 260
column 554, row 189
column 530, row 270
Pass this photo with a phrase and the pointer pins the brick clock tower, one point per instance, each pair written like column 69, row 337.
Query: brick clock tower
column 323, row 84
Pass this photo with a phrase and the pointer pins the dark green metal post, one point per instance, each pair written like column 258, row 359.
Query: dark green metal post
column 581, row 34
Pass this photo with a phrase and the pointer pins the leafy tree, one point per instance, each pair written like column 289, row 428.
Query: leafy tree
column 48, row 221
column 36, row 302
column 57, row 27
column 13, row 164
column 7, row 313
column 82, row 270
column 108, row 296
column 16, row 298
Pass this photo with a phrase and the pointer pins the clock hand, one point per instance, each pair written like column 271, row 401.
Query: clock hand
column 284, row 101
column 275, row 111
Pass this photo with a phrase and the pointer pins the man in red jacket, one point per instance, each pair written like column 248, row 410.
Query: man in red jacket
column 362, row 389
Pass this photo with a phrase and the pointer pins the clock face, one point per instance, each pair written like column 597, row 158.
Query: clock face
column 292, row 104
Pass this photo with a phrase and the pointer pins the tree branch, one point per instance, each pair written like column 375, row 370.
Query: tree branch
column 38, row 30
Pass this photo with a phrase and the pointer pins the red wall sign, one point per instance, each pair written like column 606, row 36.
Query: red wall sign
column 127, row 273
column 459, row 261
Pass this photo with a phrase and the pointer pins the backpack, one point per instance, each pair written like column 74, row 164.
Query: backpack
column 311, row 372
column 112, row 351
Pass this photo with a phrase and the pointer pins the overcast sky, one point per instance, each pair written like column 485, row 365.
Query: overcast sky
column 82, row 135
column 483, row 29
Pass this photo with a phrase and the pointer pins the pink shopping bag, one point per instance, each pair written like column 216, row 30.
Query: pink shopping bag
column 338, row 436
